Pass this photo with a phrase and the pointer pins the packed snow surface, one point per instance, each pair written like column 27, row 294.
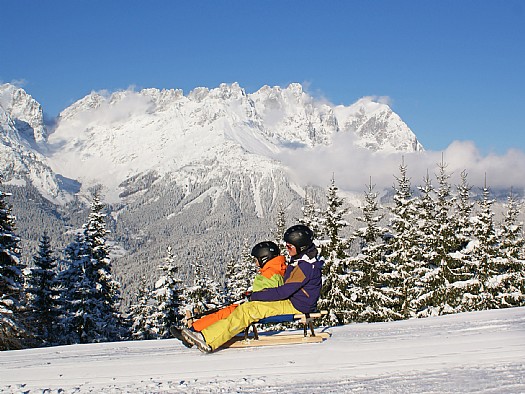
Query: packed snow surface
column 478, row 352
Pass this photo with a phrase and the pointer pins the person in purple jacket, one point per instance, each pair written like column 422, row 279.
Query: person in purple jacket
column 298, row 294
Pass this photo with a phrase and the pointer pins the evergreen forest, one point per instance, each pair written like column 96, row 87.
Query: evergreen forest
column 435, row 249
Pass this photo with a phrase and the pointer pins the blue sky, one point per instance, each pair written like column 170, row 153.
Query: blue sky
column 453, row 70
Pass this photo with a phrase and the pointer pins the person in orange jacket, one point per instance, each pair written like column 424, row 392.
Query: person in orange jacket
column 272, row 266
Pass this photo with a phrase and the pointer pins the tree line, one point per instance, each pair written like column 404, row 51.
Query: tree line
column 435, row 250
column 76, row 299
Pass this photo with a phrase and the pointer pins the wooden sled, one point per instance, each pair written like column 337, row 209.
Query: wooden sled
column 245, row 340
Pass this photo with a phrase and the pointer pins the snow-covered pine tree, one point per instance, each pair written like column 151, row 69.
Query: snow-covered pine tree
column 278, row 233
column 463, row 208
column 403, row 243
column 205, row 293
column 334, row 297
column 104, row 292
column 12, row 328
column 239, row 275
column 74, row 289
column 43, row 300
column 371, row 296
column 511, row 250
column 440, row 277
column 312, row 216
column 168, row 297
column 140, row 313
column 484, row 262
column 333, row 222
column 459, row 263
column 425, row 273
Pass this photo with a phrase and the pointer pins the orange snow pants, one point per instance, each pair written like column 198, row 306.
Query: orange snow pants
column 208, row 320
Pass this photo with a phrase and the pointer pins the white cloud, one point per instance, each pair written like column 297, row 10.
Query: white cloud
column 116, row 107
column 19, row 83
column 380, row 99
column 353, row 166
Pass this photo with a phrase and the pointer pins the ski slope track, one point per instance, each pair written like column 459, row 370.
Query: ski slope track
column 477, row 352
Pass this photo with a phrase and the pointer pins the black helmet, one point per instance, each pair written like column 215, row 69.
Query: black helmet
column 299, row 236
column 265, row 251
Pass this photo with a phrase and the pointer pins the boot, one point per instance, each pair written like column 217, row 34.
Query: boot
column 197, row 339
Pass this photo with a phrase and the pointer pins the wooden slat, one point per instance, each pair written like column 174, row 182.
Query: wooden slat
column 312, row 315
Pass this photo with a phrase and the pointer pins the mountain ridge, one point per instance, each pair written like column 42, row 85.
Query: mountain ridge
column 133, row 132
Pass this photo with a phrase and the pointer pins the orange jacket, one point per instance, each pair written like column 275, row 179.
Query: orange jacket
column 271, row 275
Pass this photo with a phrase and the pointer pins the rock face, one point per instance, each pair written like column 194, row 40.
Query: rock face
column 25, row 112
column 22, row 139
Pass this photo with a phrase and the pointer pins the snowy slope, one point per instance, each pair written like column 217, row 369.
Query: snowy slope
column 479, row 352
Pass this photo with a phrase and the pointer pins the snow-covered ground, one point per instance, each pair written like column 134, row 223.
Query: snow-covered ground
column 479, row 352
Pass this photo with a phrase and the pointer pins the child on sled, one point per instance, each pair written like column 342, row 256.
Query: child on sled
column 271, row 266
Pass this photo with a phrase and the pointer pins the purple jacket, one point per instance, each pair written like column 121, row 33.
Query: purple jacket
column 302, row 285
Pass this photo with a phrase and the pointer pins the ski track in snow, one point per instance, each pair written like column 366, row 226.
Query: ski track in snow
column 479, row 352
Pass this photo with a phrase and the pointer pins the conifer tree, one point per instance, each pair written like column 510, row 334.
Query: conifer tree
column 335, row 270
column 425, row 272
column 311, row 215
column 140, row 313
column 440, row 276
column 459, row 263
column 484, row 263
column 204, row 294
column 372, row 297
column 12, row 328
column 43, row 300
column 239, row 275
column 403, row 243
column 511, row 278
column 462, row 213
column 91, row 297
column 168, row 297
column 332, row 224
column 278, row 234
column 74, row 290
column 104, row 294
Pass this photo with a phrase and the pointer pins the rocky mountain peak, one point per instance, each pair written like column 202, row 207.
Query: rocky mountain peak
column 25, row 112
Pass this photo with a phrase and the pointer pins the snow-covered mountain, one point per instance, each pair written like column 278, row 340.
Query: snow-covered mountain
column 22, row 131
column 25, row 112
column 186, row 170
column 111, row 138
column 377, row 127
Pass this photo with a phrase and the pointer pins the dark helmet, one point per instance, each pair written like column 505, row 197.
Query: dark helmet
column 299, row 236
column 265, row 251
